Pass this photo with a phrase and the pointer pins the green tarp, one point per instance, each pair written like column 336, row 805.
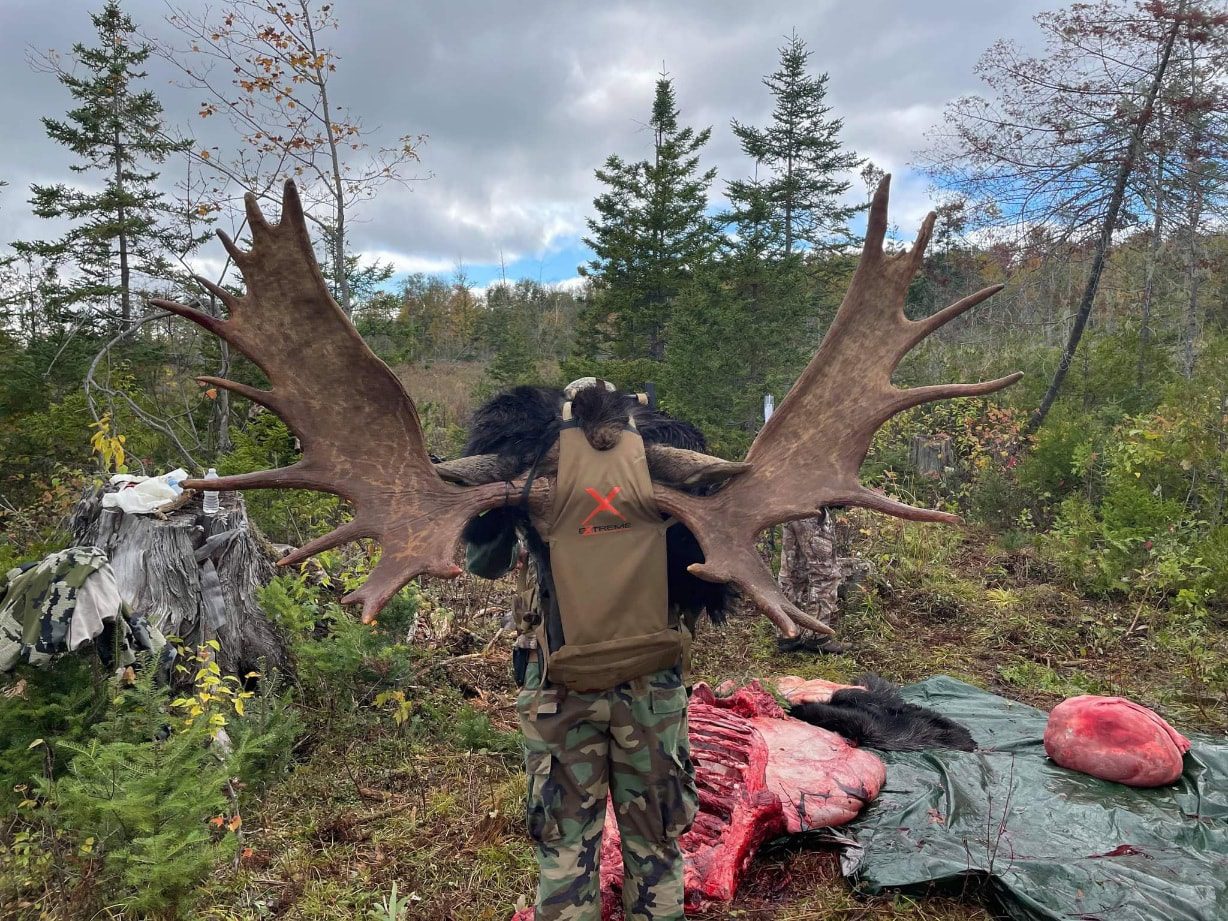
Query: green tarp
column 1048, row 843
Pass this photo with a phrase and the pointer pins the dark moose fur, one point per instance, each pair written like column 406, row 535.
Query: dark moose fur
column 521, row 424
column 875, row 716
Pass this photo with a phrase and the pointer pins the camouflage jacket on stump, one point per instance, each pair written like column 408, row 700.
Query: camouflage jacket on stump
column 68, row 599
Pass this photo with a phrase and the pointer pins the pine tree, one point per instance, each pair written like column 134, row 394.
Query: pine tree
column 650, row 235
column 756, row 298
column 509, row 321
column 123, row 229
column 801, row 149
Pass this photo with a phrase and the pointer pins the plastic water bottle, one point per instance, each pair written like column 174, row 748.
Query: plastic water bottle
column 211, row 497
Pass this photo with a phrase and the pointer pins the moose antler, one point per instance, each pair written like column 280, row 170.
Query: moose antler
column 809, row 454
column 362, row 439
column 359, row 430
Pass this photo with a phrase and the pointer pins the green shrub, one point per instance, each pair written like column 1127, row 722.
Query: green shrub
column 128, row 803
column 995, row 498
column 474, row 732
column 146, row 806
column 291, row 602
column 63, row 702
column 1049, row 470
column 1148, row 521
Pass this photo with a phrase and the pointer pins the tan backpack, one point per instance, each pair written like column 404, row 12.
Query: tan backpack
column 607, row 559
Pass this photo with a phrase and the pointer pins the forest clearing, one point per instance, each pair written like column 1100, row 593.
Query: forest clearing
column 898, row 363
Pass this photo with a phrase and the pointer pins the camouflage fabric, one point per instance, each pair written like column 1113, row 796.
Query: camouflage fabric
column 809, row 572
column 631, row 743
column 38, row 606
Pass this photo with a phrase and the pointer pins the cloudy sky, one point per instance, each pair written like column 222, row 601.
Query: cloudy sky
column 523, row 101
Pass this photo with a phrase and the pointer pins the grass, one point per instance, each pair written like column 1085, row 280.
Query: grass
column 437, row 810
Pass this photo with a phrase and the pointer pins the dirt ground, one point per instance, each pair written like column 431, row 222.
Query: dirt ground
column 374, row 804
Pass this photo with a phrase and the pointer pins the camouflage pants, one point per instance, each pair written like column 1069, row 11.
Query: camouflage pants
column 809, row 572
column 629, row 742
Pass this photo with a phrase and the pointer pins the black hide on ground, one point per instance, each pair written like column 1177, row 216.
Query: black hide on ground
column 874, row 715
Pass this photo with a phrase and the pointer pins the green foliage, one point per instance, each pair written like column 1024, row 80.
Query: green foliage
column 996, row 499
column 761, row 306
column 509, row 327
column 344, row 664
column 650, row 234
column 115, row 129
column 1051, row 469
column 33, row 444
column 112, row 775
column 146, row 805
column 351, row 661
column 802, row 151
column 390, row 907
column 981, row 437
column 383, row 328
column 292, row 603
column 262, row 741
column 1148, row 522
column 61, row 702
column 33, row 530
column 1027, row 674
column 474, row 732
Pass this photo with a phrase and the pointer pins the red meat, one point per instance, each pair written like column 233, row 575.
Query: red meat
column 1115, row 739
column 760, row 774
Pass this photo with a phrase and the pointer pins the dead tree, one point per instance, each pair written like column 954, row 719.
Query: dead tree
column 192, row 575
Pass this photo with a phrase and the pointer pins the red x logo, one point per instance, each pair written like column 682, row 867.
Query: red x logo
column 604, row 504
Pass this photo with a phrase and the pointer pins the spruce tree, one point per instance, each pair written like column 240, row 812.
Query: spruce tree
column 121, row 226
column 742, row 329
column 509, row 320
column 801, row 149
column 650, row 235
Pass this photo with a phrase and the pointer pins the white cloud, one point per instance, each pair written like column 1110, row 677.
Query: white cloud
column 522, row 108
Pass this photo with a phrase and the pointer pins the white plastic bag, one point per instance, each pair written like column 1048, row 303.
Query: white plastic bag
column 142, row 495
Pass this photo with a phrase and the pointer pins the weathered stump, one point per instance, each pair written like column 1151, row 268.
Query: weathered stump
column 932, row 455
column 192, row 575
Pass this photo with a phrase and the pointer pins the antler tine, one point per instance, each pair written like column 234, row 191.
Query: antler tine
column 878, row 502
column 808, row 456
column 386, row 579
column 199, row 317
column 351, row 530
column 767, row 596
column 256, row 221
column 915, row 396
column 232, row 248
column 216, row 290
column 296, row 476
column 255, row 394
column 876, row 220
column 916, row 255
column 927, row 325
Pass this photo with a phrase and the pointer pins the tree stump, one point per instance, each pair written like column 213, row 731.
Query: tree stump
column 932, row 455
column 192, row 575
